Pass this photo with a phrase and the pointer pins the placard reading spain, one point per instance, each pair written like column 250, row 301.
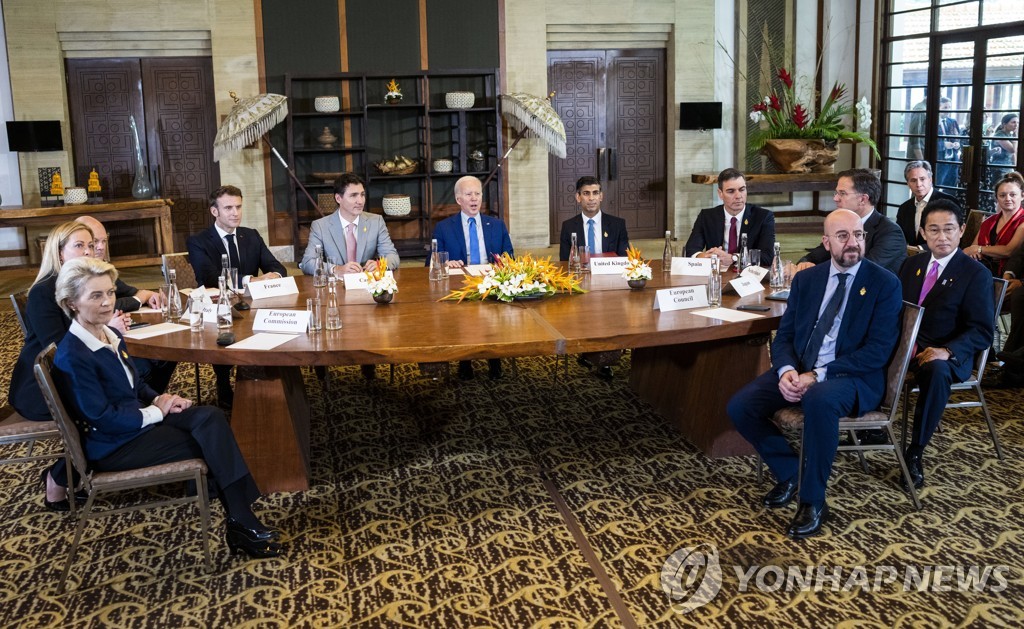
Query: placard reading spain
column 607, row 266
column 273, row 288
column 274, row 320
column 693, row 267
column 682, row 298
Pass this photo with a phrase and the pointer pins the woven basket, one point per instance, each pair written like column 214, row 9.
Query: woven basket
column 459, row 100
column 396, row 204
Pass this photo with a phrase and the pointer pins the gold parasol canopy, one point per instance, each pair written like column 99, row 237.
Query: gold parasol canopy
column 525, row 113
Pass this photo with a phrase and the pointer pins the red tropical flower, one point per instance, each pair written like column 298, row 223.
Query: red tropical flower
column 786, row 78
column 776, row 105
column 800, row 118
column 761, row 107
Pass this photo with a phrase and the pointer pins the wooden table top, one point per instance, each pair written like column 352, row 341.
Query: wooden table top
column 415, row 327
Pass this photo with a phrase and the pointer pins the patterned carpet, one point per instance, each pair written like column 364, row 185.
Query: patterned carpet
column 432, row 506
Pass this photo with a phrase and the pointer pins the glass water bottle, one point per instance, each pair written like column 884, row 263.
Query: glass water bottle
column 666, row 256
column 223, row 304
column 715, row 284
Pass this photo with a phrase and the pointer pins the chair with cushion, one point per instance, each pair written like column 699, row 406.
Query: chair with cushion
column 792, row 417
column 97, row 484
column 971, row 384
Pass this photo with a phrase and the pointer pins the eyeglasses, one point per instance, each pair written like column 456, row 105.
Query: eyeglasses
column 844, row 237
column 949, row 230
column 842, row 194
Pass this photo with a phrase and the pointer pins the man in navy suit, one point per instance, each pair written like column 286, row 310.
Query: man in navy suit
column 246, row 252
column 470, row 238
column 958, row 321
column 858, row 190
column 918, row 174
column 244, row 246
column 829, row 356
column 601, row 233
column 719, row 230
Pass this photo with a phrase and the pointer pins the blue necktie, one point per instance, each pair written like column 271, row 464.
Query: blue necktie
column 590, row 236
column 825, row 323
column 474, row 243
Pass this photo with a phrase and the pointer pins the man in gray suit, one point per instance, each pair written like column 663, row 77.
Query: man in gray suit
column 351, row 239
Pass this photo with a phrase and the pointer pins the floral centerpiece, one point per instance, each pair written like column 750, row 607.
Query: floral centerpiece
column 394, row 94
column 379, row 284
column 517, row 278
column 637, row 270
column 796, row 139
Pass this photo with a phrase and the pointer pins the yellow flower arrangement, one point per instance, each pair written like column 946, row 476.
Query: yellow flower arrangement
column 636, row 267
column 516, row 278
column 378, row 281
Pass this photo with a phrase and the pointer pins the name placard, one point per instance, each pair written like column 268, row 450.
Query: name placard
column 359, row 280
column 746, row 285
column 477, row 269
column 209, row 313
column 693, row 267
column 607, row 266
column 273, row 288
column 682, row 298
column 755, row 272
column 274, row 320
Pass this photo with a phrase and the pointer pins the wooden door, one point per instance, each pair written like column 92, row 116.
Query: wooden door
column 612, row 103
column 171, row 99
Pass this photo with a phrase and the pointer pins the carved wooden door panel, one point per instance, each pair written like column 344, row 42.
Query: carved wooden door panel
column 612, row 103
column 181, row 124
column 172, row 101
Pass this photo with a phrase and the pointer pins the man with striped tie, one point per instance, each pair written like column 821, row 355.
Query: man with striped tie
column 959, row 319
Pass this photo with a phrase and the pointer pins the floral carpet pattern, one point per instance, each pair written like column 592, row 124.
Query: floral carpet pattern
column 436, row 503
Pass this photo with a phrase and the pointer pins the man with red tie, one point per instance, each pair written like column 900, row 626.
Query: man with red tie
column 958, row 321
column 719, row 230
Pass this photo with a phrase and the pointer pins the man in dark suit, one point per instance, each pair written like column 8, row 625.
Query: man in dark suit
column 858, row 190
column 246, row 252
column 719, row 230
column 244, row 246
column 470, row 238
column 612, row 229
column 829, row 356
column 1013, row 347
column 129, row 298
column 958, row 321
column 919, row 179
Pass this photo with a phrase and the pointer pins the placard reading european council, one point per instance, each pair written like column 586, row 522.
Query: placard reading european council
column 273, row 288
column 681, row 298
column 274, row 320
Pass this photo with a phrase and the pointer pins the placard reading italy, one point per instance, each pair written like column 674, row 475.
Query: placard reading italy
column 694, row 267
column 682, row 298
column 273, row 320
column 607, row 266
column 273, row 288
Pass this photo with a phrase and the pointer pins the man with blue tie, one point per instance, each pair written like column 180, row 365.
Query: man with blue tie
column 470, row 238
column 959, row 319
column 829, row 357
column 596, row 230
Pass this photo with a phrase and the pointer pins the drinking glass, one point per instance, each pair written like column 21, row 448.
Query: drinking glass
column 442, row 263
column 232, row 273
column 753, row 258
column 165, row 291
column 195, row 315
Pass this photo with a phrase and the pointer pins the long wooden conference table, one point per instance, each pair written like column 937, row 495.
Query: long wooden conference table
column 686, row 366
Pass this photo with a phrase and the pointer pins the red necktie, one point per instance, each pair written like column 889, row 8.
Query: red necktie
column 732, row 236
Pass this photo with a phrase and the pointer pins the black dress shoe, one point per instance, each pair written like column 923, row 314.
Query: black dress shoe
column 1014, row 358
column 780, row 495
column 494, row 368
column 369, row 371
column 807, row 521
column 258, row 544
column 916, row 469
column 263, row 532
column 465, row 370
column 605, row 373
column 60, row 506
column 873, row 437
column 583, row 361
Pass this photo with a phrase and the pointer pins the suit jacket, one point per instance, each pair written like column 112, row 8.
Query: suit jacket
column 372, row 241
column 449, row 238
column 884, row 245
column 908, row 210
column 46, row 323
column 959, row 313
column 758, row 225
column 206, row 248
column 866, row 340
column 613, row 235
column 105, row 405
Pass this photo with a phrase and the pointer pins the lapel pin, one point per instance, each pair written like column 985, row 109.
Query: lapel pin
column 918, row 273
column 364, row 229
column 746, row 222
column 606, row 234
column 863, row 291
column 124, row 354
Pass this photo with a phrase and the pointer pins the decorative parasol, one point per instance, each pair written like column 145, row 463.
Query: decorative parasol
column 251, row 119
column 526, row 112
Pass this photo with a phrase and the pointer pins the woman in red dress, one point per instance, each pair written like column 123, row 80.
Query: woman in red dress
column 1001, row 234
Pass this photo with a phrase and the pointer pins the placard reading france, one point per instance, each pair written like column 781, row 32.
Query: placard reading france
column 682, row 298
column 273, row 288
column 607, row 266
column 274, row 320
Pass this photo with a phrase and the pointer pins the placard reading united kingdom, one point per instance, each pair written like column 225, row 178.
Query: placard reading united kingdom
column 607, row 266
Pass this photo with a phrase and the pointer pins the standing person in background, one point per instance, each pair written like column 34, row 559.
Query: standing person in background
column 947, row 173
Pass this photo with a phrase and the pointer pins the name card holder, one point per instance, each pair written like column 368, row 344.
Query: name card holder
column 607, row 266
column 273, row 288
column 693, row 267
column 682, row 298
column 755, row 272
column 359, row 280
column 274, row 320
column 746, row 285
